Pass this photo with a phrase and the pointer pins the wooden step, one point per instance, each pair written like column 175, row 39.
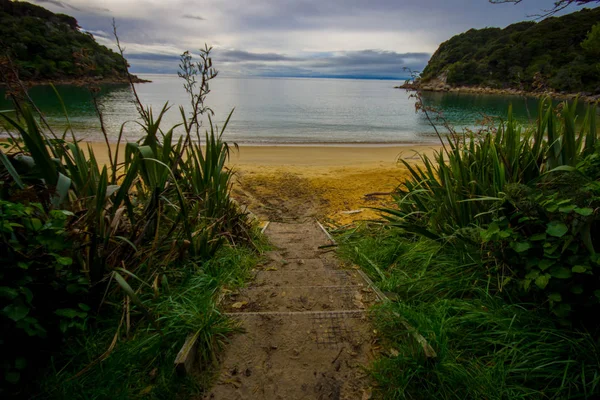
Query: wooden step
column 307, row 277
column 301, row 356
column 300, row 298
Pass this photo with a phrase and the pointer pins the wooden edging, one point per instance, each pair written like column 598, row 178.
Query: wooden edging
column 427, row 349
column 184, row 362
column 264, row 228
column 378, row 292
column 331, row 239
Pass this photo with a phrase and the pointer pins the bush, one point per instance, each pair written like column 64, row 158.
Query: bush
column 42, row 292
column 543, row 234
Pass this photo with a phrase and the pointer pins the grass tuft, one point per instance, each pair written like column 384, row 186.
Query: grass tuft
column 142, row 365
column 487, row 347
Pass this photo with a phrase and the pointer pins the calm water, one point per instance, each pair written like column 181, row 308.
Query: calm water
column 281, row 110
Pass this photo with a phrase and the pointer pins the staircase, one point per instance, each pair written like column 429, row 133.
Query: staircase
column 306, row 328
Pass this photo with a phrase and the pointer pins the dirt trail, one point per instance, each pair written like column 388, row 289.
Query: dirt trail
column 307, row 334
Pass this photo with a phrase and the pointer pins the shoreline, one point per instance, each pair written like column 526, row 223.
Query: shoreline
column 434, row 141
column 306, row 157
column 81, row 81
column 368, row 145
column 500, row 92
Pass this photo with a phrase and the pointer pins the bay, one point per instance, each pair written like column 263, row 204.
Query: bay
column 280, row 110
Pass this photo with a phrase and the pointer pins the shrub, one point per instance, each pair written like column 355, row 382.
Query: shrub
column 543, row 234
column 42, row 292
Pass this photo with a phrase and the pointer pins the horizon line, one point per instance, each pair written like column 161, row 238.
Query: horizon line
column 350, row 77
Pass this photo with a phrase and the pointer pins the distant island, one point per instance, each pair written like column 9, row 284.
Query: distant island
column 44, row 47
column 556, row 56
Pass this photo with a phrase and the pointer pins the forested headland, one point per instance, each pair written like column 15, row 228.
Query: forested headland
column 558, row 54
column 42, row 46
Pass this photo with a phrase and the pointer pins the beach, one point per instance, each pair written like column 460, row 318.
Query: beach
column 332, row 183
column 335, row 184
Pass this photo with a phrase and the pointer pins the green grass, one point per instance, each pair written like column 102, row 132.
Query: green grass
column 487, row 346
column 142, row 362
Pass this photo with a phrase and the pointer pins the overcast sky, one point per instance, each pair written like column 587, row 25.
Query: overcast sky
column 338, row 38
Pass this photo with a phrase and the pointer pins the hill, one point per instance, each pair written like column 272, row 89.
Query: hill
column 44, row 46
column 530, row 56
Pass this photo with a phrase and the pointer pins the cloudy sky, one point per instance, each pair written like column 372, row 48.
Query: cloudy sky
column 319, row 38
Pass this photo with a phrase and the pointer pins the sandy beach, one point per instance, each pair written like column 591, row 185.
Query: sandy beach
column 327, row 182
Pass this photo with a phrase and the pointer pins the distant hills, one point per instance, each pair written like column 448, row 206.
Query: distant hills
column 44, row 46
column 527, row 56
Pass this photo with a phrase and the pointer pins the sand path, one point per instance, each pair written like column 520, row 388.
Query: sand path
column 307, row 333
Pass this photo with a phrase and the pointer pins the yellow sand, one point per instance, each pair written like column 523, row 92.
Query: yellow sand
column 328, row 182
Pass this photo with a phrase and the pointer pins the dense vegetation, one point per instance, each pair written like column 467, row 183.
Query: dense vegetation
column 491, row 253
column 107, row 268
column 44, row 45
column 548, row 55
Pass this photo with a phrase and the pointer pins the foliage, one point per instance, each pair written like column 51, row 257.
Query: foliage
column 124, row 235
column 488, row 345
column 37, row 265
column 44, row 45
column 591, row 44
column 452, row 190
column 544, row 234
column 525, row 55
column 527, row 197
column 141, row 363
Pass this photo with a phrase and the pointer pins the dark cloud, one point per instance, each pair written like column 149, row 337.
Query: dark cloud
column 241, row 56
column 369, row 63
column 171, row 58
column 372, row 58
column 196, row 17
column 373, row 14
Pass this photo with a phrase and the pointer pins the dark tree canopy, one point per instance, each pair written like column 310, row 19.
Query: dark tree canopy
column 45, row 45
column 558, row 53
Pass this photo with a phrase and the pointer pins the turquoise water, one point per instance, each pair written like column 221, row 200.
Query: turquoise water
column 281, row 110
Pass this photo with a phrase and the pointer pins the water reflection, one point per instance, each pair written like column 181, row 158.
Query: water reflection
column 467, row 109
column 281, row 110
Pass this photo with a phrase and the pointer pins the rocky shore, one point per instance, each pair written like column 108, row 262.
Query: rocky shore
column 439, row 86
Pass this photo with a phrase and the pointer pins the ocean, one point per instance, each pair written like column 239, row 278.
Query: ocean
column 289, row 111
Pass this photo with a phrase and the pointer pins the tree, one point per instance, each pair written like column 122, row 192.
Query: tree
column 592, row 43
column 558, row 4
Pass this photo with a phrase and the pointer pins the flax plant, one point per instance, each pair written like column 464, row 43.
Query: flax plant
column 449, row 190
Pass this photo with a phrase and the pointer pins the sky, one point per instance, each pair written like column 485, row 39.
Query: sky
column 294, row 38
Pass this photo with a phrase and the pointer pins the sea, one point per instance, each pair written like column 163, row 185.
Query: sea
column 281, row 111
